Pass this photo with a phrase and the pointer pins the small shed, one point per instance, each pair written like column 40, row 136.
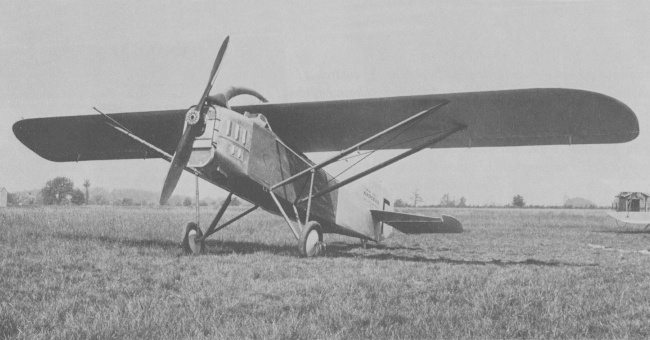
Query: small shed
column 3, row 198
column 631, row 201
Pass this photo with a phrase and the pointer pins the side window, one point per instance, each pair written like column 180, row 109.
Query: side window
column 229, row 128
column 244, row 132
column 236, row 132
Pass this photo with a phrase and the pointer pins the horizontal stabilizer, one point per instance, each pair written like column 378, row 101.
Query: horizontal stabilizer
column 417, row 224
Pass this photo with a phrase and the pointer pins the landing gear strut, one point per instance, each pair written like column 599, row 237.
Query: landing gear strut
column 193, row 237
column 309, row 235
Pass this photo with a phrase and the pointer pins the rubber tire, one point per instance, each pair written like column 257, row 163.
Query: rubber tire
column 187, row 249
column 311, row 226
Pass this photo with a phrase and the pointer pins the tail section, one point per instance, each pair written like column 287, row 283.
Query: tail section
column 417, row 224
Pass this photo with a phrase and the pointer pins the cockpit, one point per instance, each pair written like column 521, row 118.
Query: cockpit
column 258, row 119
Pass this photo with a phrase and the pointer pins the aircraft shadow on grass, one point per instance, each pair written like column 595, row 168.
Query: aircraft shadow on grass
column 624, row 231
column 346, row 250
column 335, row 250
column 121, row 241
column 343, row 251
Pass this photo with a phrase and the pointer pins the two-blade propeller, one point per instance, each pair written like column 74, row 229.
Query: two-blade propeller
column 195, row 121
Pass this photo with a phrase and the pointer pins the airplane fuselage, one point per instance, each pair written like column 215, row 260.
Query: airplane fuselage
column 241, row 154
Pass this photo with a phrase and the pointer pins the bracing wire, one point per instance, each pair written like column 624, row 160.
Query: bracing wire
column 382, row 146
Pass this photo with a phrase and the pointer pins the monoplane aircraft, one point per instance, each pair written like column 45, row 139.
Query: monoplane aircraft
column 257, row 152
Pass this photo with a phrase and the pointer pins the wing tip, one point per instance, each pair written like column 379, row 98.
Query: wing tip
column 22, row 132
column 629, row 116
column 617, row 110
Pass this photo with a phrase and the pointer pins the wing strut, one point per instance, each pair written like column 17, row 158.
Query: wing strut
column 357, row 146
column 121, row 128
column 455, row 128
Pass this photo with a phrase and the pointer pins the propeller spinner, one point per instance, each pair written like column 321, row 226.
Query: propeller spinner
column 195, row 121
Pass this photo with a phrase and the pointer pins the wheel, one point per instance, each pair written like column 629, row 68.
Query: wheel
column 190, row 246
column 311, row 239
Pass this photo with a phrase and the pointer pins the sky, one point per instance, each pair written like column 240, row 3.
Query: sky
column 62, row 58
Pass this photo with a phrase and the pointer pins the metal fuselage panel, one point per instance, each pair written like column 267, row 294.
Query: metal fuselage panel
column 248, row 158
column 355, row 202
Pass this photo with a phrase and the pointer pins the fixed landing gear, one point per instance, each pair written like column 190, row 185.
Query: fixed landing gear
column 311, row 240
column 310, row 235
column 192, row 235
column 193, row 239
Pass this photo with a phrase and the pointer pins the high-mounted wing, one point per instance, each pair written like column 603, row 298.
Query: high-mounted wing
column 496, row 118
column 83, row 138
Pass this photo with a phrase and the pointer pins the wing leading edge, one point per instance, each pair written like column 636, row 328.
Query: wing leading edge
column 496, row 118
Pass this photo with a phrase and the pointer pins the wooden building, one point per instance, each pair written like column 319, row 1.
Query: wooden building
column 631, row 201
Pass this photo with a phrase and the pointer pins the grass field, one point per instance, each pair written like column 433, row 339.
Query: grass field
column 118, row 273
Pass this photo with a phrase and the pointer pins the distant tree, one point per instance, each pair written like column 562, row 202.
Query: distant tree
column 203, row 203
column 87, row 185
column 446, row 201
column 235, row 202
column 462, row 202
column 416, row 198
column 100, row 200
column 518, row 201
column 127, row 202
column 187, row 202
column 56, row 190
column 400, row 204
column 77, row 197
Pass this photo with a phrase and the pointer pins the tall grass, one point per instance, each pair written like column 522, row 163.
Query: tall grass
column 118, row 273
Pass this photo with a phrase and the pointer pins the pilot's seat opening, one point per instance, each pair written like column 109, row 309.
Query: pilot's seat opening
column 258, row 119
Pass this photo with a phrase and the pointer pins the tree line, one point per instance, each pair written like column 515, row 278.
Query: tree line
column 448, row 202
column 416, row 199
column 57, row 191
column 62, row 191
